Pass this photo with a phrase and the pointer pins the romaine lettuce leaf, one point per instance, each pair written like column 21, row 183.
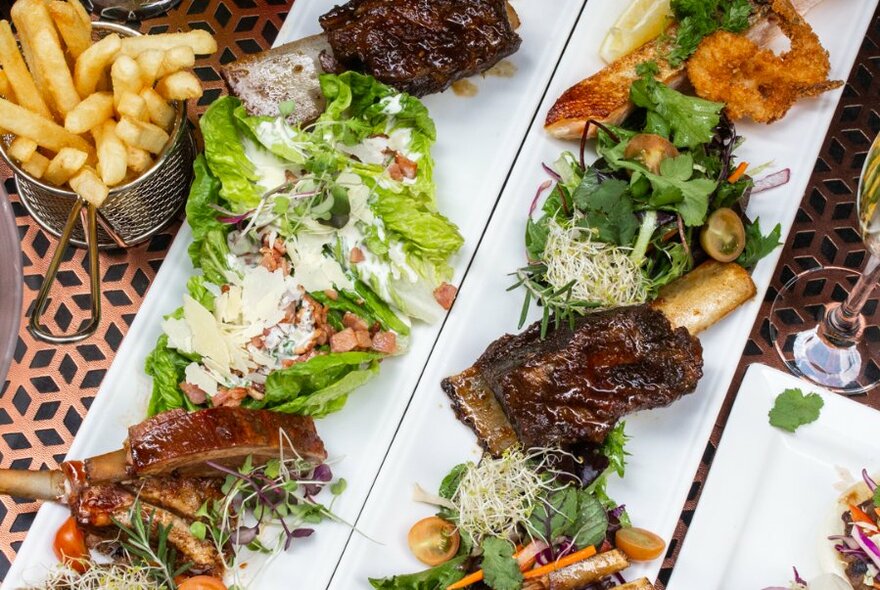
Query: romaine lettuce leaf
column 226, row 157
column 166, row 366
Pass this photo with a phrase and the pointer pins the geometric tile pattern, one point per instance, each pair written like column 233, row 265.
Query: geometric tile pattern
column 50, row 387
column 823, row 235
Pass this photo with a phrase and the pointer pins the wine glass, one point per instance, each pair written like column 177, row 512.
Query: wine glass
column 837, row 344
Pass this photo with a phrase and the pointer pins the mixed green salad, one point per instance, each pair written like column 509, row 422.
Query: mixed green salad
column 517, row 517
column 317, row 247
column 665, row 193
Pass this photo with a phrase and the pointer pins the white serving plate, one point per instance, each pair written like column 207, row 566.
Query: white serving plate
column 478, row 139
column 666, row 444
column 770, row 496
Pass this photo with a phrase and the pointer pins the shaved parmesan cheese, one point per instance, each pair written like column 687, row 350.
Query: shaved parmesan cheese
column 179, row 334
column 199, row 377
column 207, row 339
column 261, row 293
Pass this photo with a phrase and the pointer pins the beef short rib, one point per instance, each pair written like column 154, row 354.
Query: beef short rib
column 420, row 46
column 573, row 386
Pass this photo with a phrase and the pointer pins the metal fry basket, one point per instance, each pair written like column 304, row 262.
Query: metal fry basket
column 131, row 214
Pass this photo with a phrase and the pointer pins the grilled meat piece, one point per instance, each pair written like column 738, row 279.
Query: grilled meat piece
column 181, row 442
column 420, row 46
column 573, row 386
column 169, row 502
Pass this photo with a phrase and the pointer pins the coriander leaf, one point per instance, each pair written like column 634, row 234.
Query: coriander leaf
column 793, row 409
column 436, row 578
column 691, row 121
column 758, row 245
column 678, row 168
column 877, row 497
column 500, row 570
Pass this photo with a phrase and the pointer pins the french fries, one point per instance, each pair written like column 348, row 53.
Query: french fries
column 77, row 34
column 65, row 164
column 31, row 18
column 179, row 86
column 112, row 154
column 91, row 63
column 90, row 115
column 201, row 42
column 88, row 186
column 20, row 80
column 22, row 148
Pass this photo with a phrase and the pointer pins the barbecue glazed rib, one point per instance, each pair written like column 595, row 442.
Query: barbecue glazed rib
column 573, row 386
column 169, row 502
column 420, row 46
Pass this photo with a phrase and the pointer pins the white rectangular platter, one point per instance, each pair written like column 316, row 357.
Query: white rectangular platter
column 478, row 139
column 770, row 497
column 666, row 444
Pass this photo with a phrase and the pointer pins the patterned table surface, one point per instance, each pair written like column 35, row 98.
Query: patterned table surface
column 50, row 388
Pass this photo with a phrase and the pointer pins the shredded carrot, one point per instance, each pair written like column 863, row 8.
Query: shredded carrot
column 467, row 581
column 859, row 515
column 738, row 173
column 561, row 563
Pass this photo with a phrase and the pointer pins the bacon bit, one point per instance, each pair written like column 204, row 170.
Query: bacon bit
column 356, row 255
column 301, row 358
column 385, row 342
column 363, row 339
column 445, row 295
column 350, row 320
column 343, row 341
column 331, row 294
column 395, row 172
column 271, row 261
column 279, row 246
column 224, row 288
column 230, row 398
column 289, row 176
column 408, row 167
column 258, row 342
column 196, row 394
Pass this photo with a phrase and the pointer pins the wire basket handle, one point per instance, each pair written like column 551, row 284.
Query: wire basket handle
column 89, row 217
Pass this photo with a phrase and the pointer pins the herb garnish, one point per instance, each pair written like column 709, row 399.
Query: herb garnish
column 757, row 244
column 792, row 409
column 697, row 19
column 500, row 569
column 158, row 557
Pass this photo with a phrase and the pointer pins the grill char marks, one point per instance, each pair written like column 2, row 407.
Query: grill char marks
column 573, row 386
column 420, row 46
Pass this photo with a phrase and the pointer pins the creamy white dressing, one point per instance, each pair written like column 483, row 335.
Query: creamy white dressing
column 271, row 170
column 392, row 105
column 278, row 131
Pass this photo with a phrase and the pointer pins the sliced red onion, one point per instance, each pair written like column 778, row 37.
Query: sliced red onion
column 772, row 180
column 551, row 172
column 544, row 186
column 872, row 485
column 616, row 512
column 867, row 544
column 797, row 577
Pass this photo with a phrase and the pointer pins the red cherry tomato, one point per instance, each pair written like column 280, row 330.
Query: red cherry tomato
column 70, row 546
column 433, row 540
column 639, row 544
column 202, row 583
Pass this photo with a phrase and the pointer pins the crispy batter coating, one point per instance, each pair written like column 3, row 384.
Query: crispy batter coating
column 755, row 82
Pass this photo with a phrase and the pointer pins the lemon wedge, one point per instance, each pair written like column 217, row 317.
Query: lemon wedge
column 641, row 22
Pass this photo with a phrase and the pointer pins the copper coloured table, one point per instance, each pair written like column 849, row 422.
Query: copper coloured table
column 50, row 388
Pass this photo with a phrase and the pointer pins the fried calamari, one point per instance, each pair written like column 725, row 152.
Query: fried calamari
column 755, row 82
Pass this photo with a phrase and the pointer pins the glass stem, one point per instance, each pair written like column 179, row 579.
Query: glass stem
column 843, row 324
